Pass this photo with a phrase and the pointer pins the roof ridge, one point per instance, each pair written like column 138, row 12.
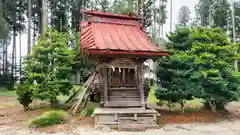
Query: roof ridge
column 109, row 14
column 118, row 23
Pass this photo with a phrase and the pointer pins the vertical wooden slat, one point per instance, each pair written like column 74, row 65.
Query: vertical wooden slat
column 124, row 76
column 116, row 117
column 135, row 116
column 105, row 82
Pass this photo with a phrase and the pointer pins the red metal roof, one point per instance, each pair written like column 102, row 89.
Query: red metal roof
column 107, row 33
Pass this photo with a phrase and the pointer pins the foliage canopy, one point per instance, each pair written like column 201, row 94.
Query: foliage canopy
column 200, row 66
column 49, row 67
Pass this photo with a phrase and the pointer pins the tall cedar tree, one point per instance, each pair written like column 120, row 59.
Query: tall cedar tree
column 219, row 11
column 184, row 16
column 12, row 12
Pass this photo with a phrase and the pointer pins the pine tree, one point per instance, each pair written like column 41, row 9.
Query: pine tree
column 13, row 13
column 221, row 12
column 184, row 16
column 50, row 66
column 202, row 11
column 213, row 13
column 200, row 66
column 59, row 10
column 147, row 13
column 104, row 5
column 162, row 15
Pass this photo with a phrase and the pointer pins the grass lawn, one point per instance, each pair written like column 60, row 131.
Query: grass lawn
column 8, row 93
column 152, row 100
column 89, row 109
column 151, row 97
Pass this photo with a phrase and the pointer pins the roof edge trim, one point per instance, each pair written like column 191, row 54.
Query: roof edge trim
column 121, row 52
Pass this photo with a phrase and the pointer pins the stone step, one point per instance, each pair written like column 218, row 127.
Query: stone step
column 136, row 127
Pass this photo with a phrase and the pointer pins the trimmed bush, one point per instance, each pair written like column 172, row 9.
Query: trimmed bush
column 24, row 95
column 49, row 118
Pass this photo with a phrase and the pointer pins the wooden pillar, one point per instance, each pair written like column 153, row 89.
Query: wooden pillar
column 105, row 85
column 140, row 79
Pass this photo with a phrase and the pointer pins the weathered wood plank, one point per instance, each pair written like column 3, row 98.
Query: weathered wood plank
column 114, row 98
column 132, row 110
column 126, row 93
column 122, row 88
column 125, row 96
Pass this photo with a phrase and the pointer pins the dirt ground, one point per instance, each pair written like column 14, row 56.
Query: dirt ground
column 13, row 115
column 14, row 119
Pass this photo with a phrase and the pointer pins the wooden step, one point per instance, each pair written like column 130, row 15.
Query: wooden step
column 125, row 93
column 119, row 98
column 124, row 96
column 122, row 99
column 123, row 89
column 124, row 103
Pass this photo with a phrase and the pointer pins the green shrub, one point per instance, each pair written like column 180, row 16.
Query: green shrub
column 88, row 112
column 24, row 95
column 49, row 118
column 7, row 81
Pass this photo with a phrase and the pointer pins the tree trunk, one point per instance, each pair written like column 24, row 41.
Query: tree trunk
column 29, row 26
column 20, row 57
column 182, row 106
column 44, row 16
column 5, row 63
column 162, row 30
column 15, row 59
column 13, row 55
column 170, row 106
column 2, row 57
column 220, row 106
column 54, row 102
column 209, row 105
column 14, row 20
column 25, row 108
column 171, row 16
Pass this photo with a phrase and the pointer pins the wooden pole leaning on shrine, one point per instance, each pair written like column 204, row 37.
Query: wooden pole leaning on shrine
column 80, row 99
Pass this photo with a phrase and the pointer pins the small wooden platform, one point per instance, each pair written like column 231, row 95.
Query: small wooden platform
column 123, row 110
column 136, row 118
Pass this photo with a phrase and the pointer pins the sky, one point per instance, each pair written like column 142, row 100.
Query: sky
column 176, row 7
column 177, row 4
